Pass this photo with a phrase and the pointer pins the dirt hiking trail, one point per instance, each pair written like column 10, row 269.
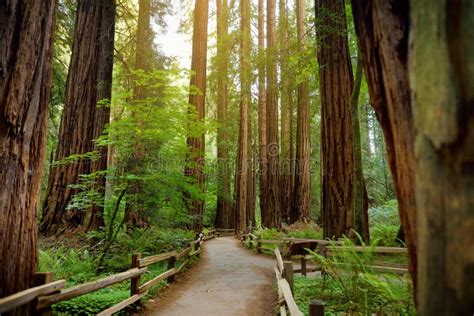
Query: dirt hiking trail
column 227, row 280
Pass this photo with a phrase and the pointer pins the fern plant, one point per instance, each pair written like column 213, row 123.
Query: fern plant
column 349, row 285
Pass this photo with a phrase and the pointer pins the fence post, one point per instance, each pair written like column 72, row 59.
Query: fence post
column 135, row 282
column 200, row 237
column 171, row 265
column 303, row 266
column 316, row 308
column 289, row 274
column 41, row 278
column 259, row 247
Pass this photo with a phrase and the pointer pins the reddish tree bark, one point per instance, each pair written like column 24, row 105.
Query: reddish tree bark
column 83, row 120
column 26, row 30
column 241, row 188
column 286, row 105
column 382, row 28
column 195, row 166
column 262, row 108
column 271, row 215
column 301, row 208
column 337, row 196
column 224, row 214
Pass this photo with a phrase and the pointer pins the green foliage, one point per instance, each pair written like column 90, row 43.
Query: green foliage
column 349, row 285
column 308, row 233
column 78, row 264
column 74, row 265
column 93, row 303
column 273, row 233
column 384, row 223
column 147, row 241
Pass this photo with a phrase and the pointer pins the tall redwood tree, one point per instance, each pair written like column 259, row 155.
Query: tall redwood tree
column 26, row 39
column 262, row 108
column 195, row 160
column 301, row 207
column 386, row 70
column 335, row 77
column 83, row 119
column 242, row 170
column 271, row 214
column 224, row 214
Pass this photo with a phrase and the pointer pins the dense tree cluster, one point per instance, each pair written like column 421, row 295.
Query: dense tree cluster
column 293, row 116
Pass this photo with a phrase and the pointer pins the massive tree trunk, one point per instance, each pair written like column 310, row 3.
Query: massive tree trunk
column 360, row 192
column 104, row 94
column 337, row 196
column 241, row 175
column 442, row 82
column 287, row 150
column 301, row 209
column 83, row 120
column 271, row 215
column 195, row 166
column 224, row 215
column 262, row 108
column 25, row 79
column 382, row 29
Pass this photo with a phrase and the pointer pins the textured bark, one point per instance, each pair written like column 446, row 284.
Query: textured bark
column 382, row 28
column 360, row 192
column 336, row 127
column 26, row 37
column 195, row 166
column 442, row 82
column 224, row 215
column 104, row 94
column 271, row 215
column 262, row 108
column 241, row 189
column 301, row 208
column 83, row 120
column 286, row 131
column 287, row 147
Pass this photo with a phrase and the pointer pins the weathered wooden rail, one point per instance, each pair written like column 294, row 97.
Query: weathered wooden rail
column 48, row 292
column 296, row 248
column 284, row 276
column 327, row 248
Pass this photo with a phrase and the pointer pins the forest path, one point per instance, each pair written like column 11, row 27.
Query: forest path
column 227, row 280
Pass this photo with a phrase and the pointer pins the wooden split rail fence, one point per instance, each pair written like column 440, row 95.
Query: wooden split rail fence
column 49, row 292
column 294, row 248
column 297, row 248
column 285, row 275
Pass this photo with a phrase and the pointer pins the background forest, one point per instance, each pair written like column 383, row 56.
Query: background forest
column 282, row 118
column 160, row 122
column 127, row 188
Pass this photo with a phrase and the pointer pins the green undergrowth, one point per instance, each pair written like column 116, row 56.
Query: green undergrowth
column 75, row 259
column 384, row 223
column 348, row 285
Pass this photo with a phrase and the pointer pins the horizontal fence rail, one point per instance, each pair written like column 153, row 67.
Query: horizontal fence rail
column 328, row 248
column 296, row 248
column 50, row 292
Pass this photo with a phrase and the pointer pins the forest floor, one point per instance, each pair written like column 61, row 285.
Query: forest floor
column 227, row 280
